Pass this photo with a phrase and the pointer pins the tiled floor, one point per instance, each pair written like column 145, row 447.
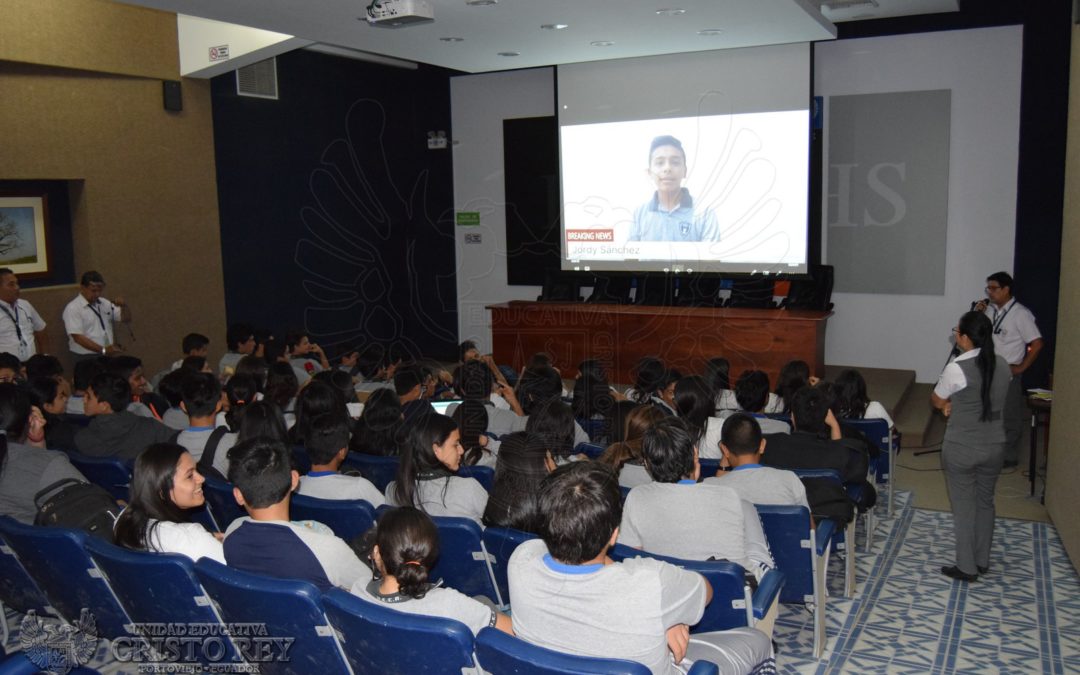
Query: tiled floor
column 1022, row 617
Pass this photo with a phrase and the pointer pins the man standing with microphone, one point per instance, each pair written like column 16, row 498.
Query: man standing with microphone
column 88, row 319
column 1016, row 339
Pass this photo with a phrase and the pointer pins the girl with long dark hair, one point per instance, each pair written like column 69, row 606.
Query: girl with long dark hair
column 522, row 463
column 971, row 393
column 378, row 429
column 164, row 487
column 402, row 549
column 472, row 419
column 426, row 477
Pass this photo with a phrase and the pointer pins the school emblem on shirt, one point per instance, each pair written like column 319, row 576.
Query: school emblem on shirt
column 684, row 228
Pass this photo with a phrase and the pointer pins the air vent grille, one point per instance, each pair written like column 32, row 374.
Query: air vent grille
column 258, row 80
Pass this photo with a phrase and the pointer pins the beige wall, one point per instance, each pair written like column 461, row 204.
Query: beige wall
column 1063, row 471
column 144, row 194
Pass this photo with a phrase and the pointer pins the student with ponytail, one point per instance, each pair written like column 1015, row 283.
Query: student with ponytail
column 402, row 548
column 971, row 393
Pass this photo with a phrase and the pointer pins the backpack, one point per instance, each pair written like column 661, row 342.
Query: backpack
column 828, row 500
column 74, row 504
column 205, row 465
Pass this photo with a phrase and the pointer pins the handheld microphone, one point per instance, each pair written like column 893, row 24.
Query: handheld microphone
column 975, row 303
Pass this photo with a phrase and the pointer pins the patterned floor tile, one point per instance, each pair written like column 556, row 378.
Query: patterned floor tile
column 994, row 658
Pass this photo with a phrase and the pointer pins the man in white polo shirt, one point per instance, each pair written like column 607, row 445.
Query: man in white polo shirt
column 88, row 319
column 1017, row 340
column 22, row 330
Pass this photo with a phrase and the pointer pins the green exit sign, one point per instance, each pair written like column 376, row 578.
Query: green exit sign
column 468, row 218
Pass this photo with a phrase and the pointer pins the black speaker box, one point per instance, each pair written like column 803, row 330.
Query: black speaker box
column 172, row 96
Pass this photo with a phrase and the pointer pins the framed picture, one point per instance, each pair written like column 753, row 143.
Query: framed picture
column 24, row 224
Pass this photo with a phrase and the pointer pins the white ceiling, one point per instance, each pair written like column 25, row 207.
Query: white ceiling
column 634, row 26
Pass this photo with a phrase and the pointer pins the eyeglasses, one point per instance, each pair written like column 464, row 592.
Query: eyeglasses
column 990, row 289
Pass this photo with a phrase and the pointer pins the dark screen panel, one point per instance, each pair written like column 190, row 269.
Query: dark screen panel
column 531, row 160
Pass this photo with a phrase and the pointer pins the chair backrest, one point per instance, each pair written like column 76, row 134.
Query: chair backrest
column 499, row 652
column 285, row 608
column 111, row 473
column 484, row 475
column 787, row 530
column 348, row 518
column 219, row 496
column 463, row 559
column 17, row 589
column 595, row 428
column 56, row 558
column 709, row 467
column 877, row 432
column 731, row 594
column 379, row 470
column 590, row 450
column 159, row 588
column 378, row 639
column 501, row 542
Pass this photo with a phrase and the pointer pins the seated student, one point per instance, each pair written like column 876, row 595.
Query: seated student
column 696, row 403
column 201, row 400
column 10, row 368
column 817, row 443
column 240, row 339
column 52, row 399
column 407, row 384
column 281, row 390
column 317, row 398
column 430, row 456
column 84, row 371
column 403, row 547
column 752, row 395
column 266, row 541
column 540, row 387
column 339, row 380
column 480, row 449
column 305, row 357
column 327, row 443
column 852, row 400
column 171, row 387
column 164, row 487
column 625, row 456
column 717, row 376
column 648, row 375
column 193, row 344
column 569, row 596
column 552, row 427
column 262, row 419
column 793, row 376
column 676, row 516
column 371, row 371
column 44, row 365
column 144, row 402
column 522, row 464
column 743, row 446
column 25, row 470
column 379, row 426
column 476, row 383
column 113, row 431
column 593, row 396
column 240, row 391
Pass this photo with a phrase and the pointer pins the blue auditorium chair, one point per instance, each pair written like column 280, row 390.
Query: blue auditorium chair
column 484, row 475
column 799, row 552
column 501, row 653
column 56, row 558
column 378, row 639
column 348, row 518
column 501, row 542
column 285, row 608
column 381, row 471
column 878, row 432
column 222, row 503
column 843, row 538
column 733, row 604
column 160, row 588
column 464, row 563
column 590, row 450
column 111, row 473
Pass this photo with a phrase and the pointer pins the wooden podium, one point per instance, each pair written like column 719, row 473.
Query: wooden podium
column 683, row 337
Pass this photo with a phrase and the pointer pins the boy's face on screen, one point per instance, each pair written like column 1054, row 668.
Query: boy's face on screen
column 667, row 168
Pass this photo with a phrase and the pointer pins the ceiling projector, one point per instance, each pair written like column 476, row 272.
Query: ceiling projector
column 398, row 13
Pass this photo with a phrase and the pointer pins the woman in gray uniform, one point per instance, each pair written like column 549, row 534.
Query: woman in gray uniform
column 971, row 393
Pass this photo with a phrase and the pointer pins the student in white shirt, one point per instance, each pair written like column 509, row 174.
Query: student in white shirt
column 743, row 446
column 852, row 400
column 326, row 441
column 430, row 457
column 164, row 488
column 402, row 549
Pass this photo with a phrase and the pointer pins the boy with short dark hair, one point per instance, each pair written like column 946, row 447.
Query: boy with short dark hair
column 743, row 447
column 571, row 597
column 327, row 444
column 83, row 372
column 113, row 431
column 200, row 395
column 266, row 541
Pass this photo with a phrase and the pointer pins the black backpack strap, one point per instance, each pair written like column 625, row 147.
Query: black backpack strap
column 175, row 437
column 49, row 489
column 206, row 461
